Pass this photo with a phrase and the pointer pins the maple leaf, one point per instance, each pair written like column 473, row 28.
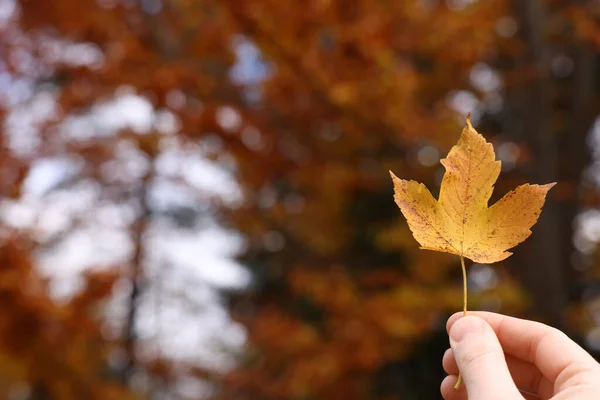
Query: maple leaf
column 461, row 222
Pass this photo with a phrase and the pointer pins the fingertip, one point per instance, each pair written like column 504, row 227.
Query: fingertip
column 447, row 389
column 447, row 354
column 449, row 363
column 468, row 325
column 453, row 318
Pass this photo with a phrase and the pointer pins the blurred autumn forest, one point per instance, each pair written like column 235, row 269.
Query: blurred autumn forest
column 131, row 127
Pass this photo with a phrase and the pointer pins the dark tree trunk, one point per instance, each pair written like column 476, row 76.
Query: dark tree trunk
column 540, row 261
column 130, row 334
column 575, row 155
column 556, row 117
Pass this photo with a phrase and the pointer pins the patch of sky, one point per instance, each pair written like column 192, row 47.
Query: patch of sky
column 250, row 68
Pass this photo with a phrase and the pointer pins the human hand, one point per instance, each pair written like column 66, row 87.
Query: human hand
column 497, row 354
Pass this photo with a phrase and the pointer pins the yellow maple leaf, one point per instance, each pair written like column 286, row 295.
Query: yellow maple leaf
column 461, row 222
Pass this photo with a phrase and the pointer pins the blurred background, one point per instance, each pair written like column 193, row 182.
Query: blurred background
column 195, row 200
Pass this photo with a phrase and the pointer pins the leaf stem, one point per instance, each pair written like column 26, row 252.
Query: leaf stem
column 464, row 274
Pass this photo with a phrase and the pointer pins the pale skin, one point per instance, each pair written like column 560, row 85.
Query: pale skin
column 498, row 355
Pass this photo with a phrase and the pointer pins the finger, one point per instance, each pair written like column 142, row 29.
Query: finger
column 448, row 391
column 550, row 350
column 449, row 363
column 525, row 375
column 480, row 359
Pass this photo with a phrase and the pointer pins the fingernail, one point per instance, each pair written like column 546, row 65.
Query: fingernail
column 465, row 326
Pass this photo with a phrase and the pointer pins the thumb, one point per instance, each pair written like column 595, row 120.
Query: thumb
column 480, row 360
